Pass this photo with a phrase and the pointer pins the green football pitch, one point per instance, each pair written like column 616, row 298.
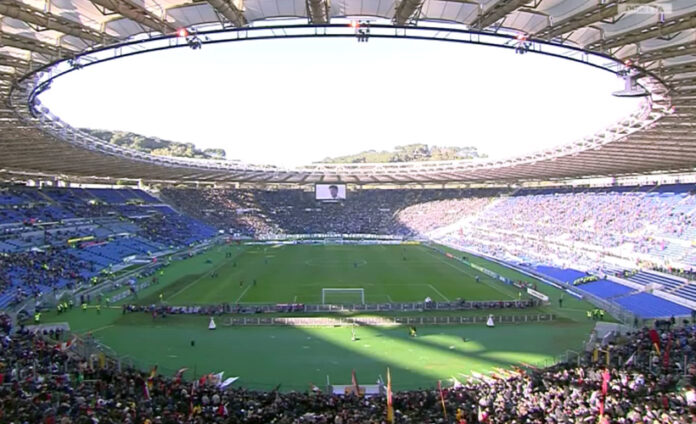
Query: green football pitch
column 294, row 357
column 297, row 274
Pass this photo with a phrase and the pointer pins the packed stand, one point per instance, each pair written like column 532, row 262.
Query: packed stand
column 43, row 379
column 580, row 226
column 54, row 238
column 394, row 212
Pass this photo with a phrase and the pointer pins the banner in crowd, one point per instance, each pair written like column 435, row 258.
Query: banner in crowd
column 538, row 295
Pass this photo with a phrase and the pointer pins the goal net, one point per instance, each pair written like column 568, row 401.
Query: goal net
column 342, row 296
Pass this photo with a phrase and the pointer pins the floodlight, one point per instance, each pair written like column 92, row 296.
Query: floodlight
column 631, row 87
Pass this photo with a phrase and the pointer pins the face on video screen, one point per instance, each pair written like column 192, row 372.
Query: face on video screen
column 330, row 191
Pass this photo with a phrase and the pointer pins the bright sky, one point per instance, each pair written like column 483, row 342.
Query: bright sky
column 293, row 102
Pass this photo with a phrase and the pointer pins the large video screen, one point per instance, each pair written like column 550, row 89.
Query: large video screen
column 330, row 191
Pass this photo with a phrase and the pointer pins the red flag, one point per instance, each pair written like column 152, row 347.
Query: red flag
column 655, row 338
column 605, row 381
column 665, row 359
column 66, row 345
column 354, row 379
column 605, row 387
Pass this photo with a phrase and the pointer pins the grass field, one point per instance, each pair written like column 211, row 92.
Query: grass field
column 287, row 274
column 267, row 356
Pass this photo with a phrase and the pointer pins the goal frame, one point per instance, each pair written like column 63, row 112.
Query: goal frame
column 360, row 290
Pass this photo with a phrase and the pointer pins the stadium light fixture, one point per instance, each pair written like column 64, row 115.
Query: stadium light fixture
column 631, row 87
column 362, row 30
column 191, row 38
column 522, row 44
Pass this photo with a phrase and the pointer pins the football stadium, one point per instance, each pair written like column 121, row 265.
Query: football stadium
column 534, row 262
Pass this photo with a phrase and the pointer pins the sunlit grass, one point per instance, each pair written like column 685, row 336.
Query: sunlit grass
column 265, row 356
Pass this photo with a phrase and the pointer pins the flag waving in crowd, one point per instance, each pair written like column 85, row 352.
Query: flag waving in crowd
column 151, row 377
column 390, row 404
column 354, row 379
column 605, row 388
column 655, row 339
column 442, row 399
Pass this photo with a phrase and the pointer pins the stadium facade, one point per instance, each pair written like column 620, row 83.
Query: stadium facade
column 653, row 41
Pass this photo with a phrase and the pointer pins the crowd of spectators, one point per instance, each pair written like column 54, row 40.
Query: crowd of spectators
column 33, row 271
column 689, row 274
column 565, row 227
column 253, row 212
column 531, row 224
column 44, row 381
column 36, row 226
column 578, row 228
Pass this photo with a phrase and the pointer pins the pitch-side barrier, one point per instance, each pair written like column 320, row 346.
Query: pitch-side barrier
column 386, row 321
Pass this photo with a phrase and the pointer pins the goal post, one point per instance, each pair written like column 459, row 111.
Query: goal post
column 347, row 295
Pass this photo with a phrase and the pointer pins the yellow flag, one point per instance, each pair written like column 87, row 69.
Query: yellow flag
column 390, row 406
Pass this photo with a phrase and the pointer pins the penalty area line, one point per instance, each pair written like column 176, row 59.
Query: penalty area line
column 463, row 271
column 99, row 329
column 438, row 292
column 205, row 274
column 242, row 295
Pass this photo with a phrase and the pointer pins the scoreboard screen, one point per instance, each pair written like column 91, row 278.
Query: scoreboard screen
column 330, row 191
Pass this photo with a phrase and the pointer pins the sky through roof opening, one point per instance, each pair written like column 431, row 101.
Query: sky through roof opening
column 294, row 102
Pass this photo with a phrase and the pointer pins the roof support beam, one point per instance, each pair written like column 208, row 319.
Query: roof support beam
column 663, row 53
column 15, row 62
column 23, row 12
column 656, row 29
column 318, row 11
column 496, row 12
column 137, row 13
column 596, row 13
column 231, row 12
column 684, row 92
column 579, row 20
column 26, row 43
column 682, row 82
column 6, row 75
column 405, row 10
column 678, row 68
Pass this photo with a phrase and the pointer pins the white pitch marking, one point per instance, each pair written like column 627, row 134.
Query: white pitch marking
column 390, row 299
column 242, row 295
column 466, row 273
column 438, row 292
column 101, row 328
column 205, row 274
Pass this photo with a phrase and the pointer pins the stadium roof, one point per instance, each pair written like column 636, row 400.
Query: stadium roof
column 659, row 137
